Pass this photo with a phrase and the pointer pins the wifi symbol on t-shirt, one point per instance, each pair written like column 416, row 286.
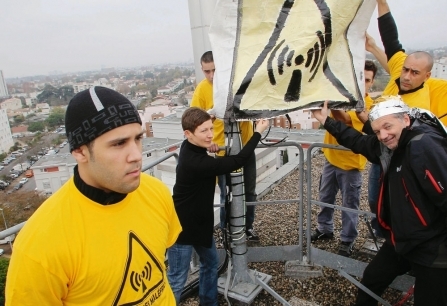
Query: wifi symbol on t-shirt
column 137, row 279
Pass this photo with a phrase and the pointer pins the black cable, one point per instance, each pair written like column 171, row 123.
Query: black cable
column 268, row 132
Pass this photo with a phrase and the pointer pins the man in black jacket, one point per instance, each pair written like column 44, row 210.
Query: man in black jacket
column 193, row 199
column 412, row 206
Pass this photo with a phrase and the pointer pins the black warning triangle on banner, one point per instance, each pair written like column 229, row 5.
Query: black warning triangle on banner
column 143, row 278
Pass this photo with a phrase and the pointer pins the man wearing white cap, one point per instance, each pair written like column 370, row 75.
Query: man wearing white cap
column 412, row 206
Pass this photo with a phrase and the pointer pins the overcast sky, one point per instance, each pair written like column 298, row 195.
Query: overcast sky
column 40, row 36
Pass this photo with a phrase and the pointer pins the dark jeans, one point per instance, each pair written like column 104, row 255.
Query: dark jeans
column 250, row 192
column 179, row 258
column 430, row 285
column 373, row 195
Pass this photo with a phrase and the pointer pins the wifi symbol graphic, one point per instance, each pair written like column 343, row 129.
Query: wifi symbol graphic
column 137, row 279
column 315, row 54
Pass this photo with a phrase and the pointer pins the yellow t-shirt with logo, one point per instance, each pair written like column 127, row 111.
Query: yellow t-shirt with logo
column 203, row 98
column 346, row 160
column 74, row 251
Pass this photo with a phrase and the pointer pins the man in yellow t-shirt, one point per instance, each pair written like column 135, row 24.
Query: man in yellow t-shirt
column 342, row 171
column 203, row 98
column 410, row 75
column 101, row 239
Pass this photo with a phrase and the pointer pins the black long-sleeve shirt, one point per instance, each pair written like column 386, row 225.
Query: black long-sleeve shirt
column 194, row 188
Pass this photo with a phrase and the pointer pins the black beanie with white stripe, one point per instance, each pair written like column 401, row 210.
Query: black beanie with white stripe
column 95, row 111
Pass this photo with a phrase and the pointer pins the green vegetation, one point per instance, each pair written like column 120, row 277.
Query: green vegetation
column 149, row 74
column 154, row 92
column 4, row 264
column 56, row 117
column 15, row 147
column 19, row 119
column 38, row 136
column 58, row 140
column 5, row 178
column 3, row 156
column 36, row 126
column 143, row 103
column 56, row 96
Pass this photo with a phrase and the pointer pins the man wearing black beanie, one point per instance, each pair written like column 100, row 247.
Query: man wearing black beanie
column 101, row 238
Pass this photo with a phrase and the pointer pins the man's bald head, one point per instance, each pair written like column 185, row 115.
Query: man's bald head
column 416, row 70
column 422, row 55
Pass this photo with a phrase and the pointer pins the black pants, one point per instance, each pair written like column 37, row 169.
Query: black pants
column 430, row 286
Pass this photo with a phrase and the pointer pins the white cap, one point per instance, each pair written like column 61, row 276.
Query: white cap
column 387, row 105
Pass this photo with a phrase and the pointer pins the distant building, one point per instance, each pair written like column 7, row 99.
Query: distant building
column 30, row 101
column 142, row 94
column 166, row 110
column 152, row 113
column 102, row 82
column 19, row 130
column 83, row 86
column 160, row 101
column 6, row 141
column 32, row 95
column 439, row 69
column 11, row 104
column 301, row 120
column 170, row 88
column 3, row 88
column 169, row 126
column 163, row 90
column 52, row 171
column 21, row 111
column 44, row 107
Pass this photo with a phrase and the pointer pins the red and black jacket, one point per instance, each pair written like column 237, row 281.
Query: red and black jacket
column 412, row 205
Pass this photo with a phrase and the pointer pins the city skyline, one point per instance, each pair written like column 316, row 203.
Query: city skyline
column 73, row 36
